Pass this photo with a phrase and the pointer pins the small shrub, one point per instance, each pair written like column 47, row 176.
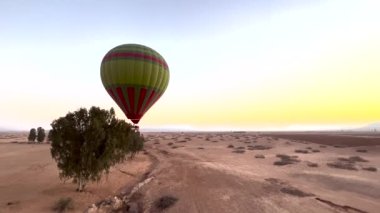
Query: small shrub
column 169, row 144
column 282, row 156
column 361, row 150
column 315, row 150
column 295, row 192
column 12, row 203
column 342, row 165
column 309, row 147
column 240, row 147
column 230, row 146
column 281, row 163
column 165, row 202
column 357, row 159
column 301, row 151
column 285, row 160
column 239, row 151
column 259, row 156
column 353, row 159
column 311, row 164
column 63, row 204
column 259, row 147
column 371, row 169
column 201, row 148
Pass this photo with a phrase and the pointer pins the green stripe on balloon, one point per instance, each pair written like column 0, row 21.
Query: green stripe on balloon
column 148, row 74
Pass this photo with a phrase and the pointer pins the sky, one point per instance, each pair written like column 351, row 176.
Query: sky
column 234, row 65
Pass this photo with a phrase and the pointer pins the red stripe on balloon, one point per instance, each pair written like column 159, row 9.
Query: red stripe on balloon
column 149, row 100
column 131, row 98
column 134, row 55
column 110, row 92
column 141, row 100
column 121, row 97
column 158, row 96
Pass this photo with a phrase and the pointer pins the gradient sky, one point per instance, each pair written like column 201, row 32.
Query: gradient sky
column 266, row 64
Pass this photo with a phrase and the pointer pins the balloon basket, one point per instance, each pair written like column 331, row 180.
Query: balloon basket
column 136, row 128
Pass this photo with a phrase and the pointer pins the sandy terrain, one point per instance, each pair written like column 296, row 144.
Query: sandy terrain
column 29, row 179
column 205, row 175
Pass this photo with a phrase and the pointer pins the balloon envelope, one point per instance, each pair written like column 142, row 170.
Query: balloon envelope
column 135, row 76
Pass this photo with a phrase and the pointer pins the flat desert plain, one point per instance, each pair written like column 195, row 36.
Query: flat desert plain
column 210, row 172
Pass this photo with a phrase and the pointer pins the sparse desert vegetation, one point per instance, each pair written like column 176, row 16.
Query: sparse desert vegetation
column 259, row 156
column 311, row 164
column 347, row 163
column 259, row 147
column 63, row 205
column 370, row 168
column 165, row 202
column 353, row 159
column 286, row 160
column 239, row 151
column 303, row 151
column 295, row 192
column 342, row 165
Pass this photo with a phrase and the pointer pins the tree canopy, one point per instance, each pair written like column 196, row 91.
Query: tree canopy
column 86, row 143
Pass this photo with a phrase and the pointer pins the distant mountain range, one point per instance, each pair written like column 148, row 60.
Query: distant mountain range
column 2, row 129
column 370, row 127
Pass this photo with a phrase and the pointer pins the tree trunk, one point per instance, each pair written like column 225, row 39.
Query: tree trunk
column 81, row 184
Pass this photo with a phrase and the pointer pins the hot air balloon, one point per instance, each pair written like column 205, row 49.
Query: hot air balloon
column 135, row 76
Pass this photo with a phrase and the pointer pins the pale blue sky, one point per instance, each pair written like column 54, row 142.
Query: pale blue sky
column 217, row 51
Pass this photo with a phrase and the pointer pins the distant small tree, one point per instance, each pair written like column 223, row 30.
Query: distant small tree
column 86, row 143
column 32, row 135
column 40, row 134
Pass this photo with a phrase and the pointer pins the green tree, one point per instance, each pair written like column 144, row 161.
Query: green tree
column 86, row 143
column 32, row 135
column 40, row 134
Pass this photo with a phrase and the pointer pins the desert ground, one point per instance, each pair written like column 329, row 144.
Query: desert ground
column 209, row 172
column 29, row 178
